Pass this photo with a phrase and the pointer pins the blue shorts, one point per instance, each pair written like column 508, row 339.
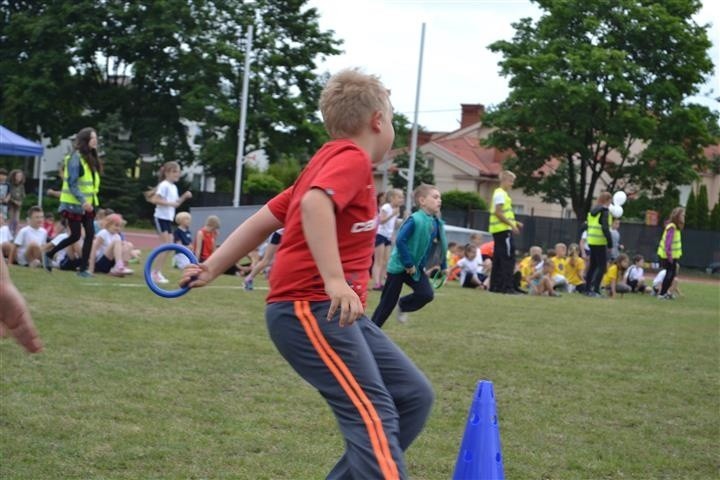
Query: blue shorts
column 382, row 240
column 69, row 264
column 104, row 265
column 162, row 225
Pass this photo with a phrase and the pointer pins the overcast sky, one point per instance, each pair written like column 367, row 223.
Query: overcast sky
column 383, row 37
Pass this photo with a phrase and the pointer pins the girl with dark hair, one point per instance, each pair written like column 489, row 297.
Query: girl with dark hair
column 79, row 197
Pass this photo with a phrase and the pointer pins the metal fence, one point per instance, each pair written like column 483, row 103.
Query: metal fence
column 700, row 247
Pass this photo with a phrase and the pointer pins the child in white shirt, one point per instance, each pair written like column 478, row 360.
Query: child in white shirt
column 30, row 240
column 387, row 221
column 109, row 254
column 635, row 275
column 6, row 238
column 470, row 275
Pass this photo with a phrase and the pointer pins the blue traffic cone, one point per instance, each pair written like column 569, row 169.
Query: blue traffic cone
column 480, row 456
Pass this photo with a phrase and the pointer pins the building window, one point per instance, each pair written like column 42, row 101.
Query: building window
column 519, row 209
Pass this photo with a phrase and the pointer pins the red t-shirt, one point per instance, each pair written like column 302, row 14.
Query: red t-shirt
column 344, row 172
column 208, row 243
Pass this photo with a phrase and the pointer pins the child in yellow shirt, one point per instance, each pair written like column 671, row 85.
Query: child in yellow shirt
column 614, row 278
column 575, row 269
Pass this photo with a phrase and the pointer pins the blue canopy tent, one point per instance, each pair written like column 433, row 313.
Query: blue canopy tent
column 13, row 144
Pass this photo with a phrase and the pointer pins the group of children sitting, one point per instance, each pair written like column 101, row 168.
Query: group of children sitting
column 204, row 244
column 110, row 251
column 561, row 269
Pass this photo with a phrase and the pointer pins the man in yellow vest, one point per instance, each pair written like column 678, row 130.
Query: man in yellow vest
column 502, row 226
column 599, row 239
column 670, row 249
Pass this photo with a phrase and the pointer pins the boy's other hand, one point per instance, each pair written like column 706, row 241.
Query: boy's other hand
column 342, row 296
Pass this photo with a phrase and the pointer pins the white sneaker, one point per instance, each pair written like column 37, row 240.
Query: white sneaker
column 402, row 317
column 159, row 278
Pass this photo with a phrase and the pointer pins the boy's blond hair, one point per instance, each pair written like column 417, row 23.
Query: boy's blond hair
column 212, row 221
column 423, row 190
column 348, row 100
column 507, row 175
column 182, row 216
column 393, row 193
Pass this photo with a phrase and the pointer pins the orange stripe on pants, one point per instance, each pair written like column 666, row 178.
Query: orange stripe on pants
column 354, row 391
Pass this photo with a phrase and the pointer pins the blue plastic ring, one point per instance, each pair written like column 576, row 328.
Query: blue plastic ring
column 148, row 269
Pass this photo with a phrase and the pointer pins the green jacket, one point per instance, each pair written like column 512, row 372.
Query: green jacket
column 414, row 248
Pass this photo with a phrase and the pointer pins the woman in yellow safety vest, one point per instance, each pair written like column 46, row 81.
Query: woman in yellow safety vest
column 599, row 240
column 670, row 249
column 79, row 197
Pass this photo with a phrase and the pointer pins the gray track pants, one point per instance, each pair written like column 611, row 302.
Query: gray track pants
column 380, row 399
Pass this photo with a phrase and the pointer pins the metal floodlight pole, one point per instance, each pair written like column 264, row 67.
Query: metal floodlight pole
column 39, row 160
column 413, row 140
column 243, row 114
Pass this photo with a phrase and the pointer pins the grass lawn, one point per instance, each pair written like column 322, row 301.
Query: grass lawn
column 133, row 386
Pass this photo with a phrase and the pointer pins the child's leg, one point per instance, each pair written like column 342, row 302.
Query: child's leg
column 340, row 364
column 388, row 298
column 33, row 253
column 411, row 391
column 377, row 268
column 421, row 295
column 159, row 264
column 89, row 227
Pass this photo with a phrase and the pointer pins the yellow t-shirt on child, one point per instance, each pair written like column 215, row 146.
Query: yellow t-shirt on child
column 574, row 271
column 559, row 266
column 526, row 269
column 612, row 273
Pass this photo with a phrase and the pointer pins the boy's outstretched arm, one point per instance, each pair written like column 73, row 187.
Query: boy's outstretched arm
column 318, row 221
column 15, row 314
column 247, row 236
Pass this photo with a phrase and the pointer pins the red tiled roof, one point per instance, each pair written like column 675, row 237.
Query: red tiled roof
column 487, row 160
column 712, row 151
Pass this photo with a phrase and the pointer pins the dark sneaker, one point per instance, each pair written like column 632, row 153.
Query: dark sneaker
column 47, row 262
column 85, row 274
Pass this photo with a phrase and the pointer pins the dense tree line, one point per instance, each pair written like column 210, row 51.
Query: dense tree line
column 601, row 87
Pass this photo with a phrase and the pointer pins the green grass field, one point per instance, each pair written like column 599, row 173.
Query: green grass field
column 133, row 386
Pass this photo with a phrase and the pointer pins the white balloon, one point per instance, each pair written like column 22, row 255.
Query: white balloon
column 619, row 198
column 616, row 211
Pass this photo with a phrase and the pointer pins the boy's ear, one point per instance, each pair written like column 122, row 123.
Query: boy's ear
column 376, row 121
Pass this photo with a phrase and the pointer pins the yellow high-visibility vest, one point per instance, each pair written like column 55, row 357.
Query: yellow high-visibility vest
column 496, row 226
column 88, row 183
column 676, row 247
column 595, row 235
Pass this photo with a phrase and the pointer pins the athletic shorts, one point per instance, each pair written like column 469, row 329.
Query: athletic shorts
column 104, row 264
column 162, row 225
column 382, row 240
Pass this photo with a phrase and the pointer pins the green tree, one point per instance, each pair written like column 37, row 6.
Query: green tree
column 286, row 170
column 262, row 183
column 702, row 209
column 463, row 200
column 715, row 216
column 68, row 64
column 423, row 173
column 663, row 204
column 118, row 191
column 590, row 82
column 691, row 220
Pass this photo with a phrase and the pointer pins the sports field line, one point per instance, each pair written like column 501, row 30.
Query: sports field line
column 142, row 285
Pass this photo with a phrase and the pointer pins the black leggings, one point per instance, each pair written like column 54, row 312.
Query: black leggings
column 670, row 272
column 596, row 270
column 76, row 227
